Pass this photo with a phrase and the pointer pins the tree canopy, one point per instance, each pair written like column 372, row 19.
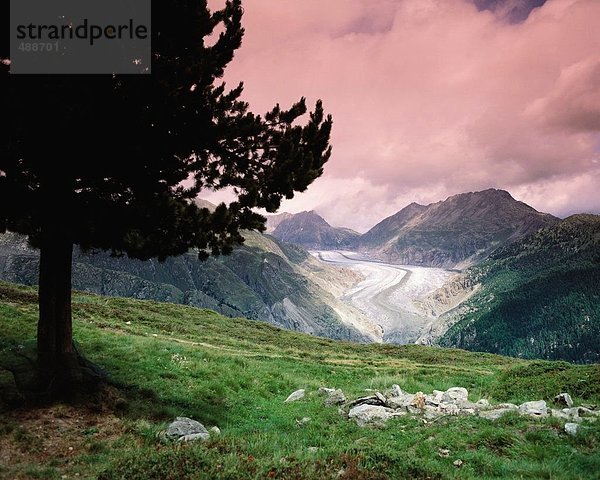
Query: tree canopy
column 115, row 162
column 140, row 148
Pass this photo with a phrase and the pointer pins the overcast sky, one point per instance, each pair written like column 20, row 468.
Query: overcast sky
column 435, row 97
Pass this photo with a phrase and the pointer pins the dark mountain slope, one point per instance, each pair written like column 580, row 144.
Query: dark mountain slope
column 388, row 228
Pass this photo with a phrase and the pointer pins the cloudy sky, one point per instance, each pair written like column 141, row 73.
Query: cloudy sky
column 435, row 97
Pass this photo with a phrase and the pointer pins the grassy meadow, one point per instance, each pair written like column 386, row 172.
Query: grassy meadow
column 168, row 360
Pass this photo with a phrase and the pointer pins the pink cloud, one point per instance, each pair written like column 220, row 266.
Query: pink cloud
column 432, row 97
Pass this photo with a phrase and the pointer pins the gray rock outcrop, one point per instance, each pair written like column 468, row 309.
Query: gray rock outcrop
column 373, row 415
column 184, row 429
column 564, row 399
column 295, row 396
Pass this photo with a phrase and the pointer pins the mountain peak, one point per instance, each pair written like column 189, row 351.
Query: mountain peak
column 308, row 229
column 460, row 230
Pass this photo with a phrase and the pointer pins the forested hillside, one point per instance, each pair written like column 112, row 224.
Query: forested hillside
column 540, row 297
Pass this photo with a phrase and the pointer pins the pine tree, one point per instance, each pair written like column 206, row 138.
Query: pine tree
column 114, row 162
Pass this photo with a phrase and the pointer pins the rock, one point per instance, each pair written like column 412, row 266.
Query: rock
column 381, row 397
column 449, row 408
column 324, row 391
column 431, row 413
column 336, row 397
column 586, row 412
column 294, row 396
column 395, row 391
column 192, row 437
column 366, row 414
column 566, row 414
column 313, row 449
column 510, row 406
column 571, row 428
column 466, row 412
column 303, row 421
column 457, row 463
column 482, row 404
column 400, row 401
column 186, row 427
column 559, row 414
column 435, row 398
column 215, row 430
column 443, row 452
column 370, row 400
column 455, row 395
column 536, row 408
column 419, row 401
column 564, row 399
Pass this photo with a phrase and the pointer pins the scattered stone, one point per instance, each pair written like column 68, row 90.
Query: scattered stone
column 215, row 430
column 324, row 391
column 376, row 415
column 431, row 413
column 294, row 396
column 536, row 408
column 587, row 412
column 378, row 408
column 313, row 449
column 564, row 399
column 443, row 452
column 186, row 427
column 370, row 400
column 192, row 437
column 335, row 397
column 571, row 428
column 455, row 395
column 435, row 398
column 400, row 401
column 419, row 401
column 559, row 414
column 303, row 421
column 449, row 408
column 457, row 463
column 395, row 391
column 466, row 412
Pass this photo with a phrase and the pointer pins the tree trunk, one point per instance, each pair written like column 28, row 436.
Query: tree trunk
column 56, row 356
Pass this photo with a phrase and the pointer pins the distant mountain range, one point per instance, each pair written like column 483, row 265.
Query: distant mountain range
column 457, row 232
column 529, row 286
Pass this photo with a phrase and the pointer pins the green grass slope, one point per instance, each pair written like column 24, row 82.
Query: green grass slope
column 540, row 297
column 168, row 360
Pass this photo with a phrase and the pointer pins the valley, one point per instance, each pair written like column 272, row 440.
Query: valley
column 390, row 295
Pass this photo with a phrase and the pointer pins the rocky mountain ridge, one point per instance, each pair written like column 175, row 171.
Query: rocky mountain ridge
column 309, row 230
column 455, row 233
